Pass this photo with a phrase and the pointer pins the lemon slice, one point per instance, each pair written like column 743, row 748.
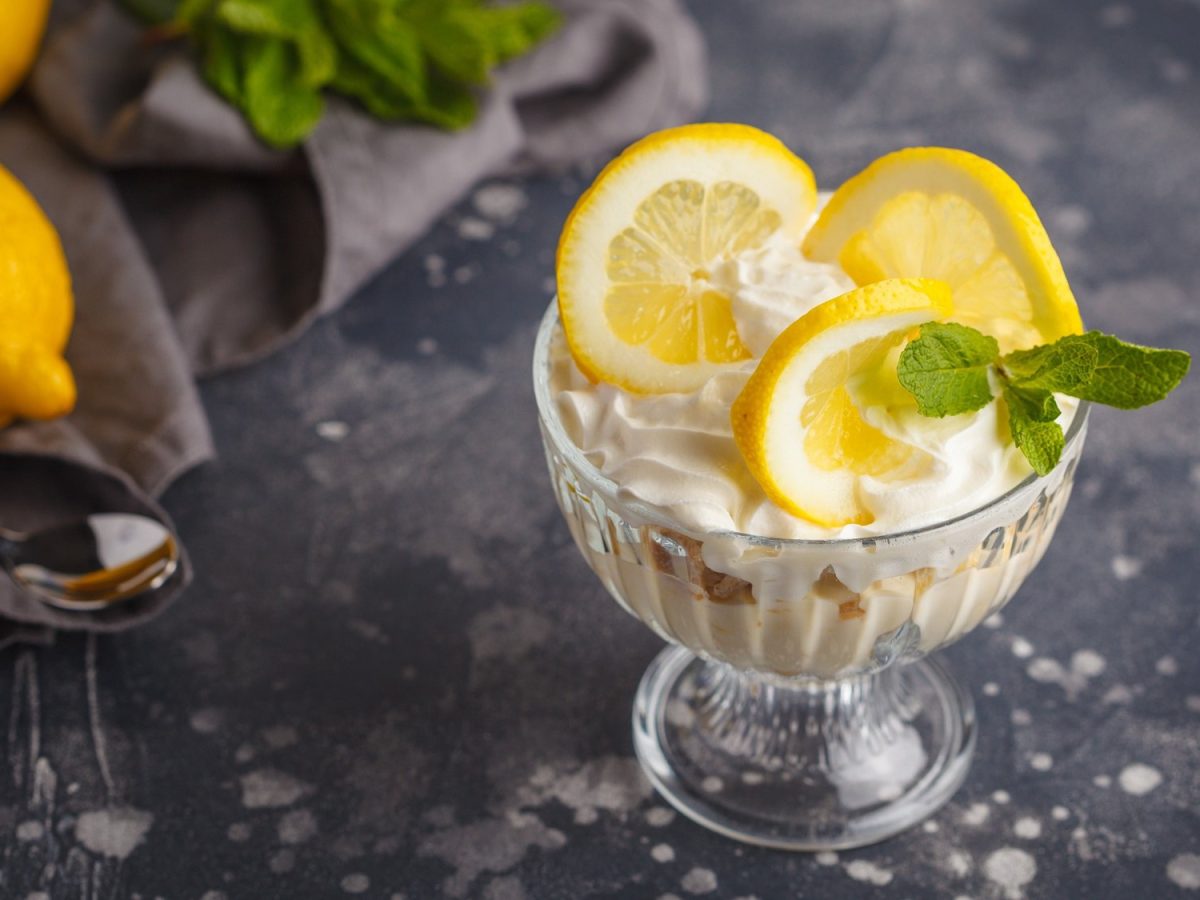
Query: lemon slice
column 796, row 421
column 637, row 257
column 932, row 212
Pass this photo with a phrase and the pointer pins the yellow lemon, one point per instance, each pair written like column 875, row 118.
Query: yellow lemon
column 796, row 421
column 36, row 310
column 636, row 293
column 21, row 25
column 933, row 212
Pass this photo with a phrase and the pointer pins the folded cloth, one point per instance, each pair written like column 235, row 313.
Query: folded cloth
column 194, row 248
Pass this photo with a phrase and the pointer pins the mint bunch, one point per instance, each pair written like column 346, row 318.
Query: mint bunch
column 952, row 369
column 403, row 60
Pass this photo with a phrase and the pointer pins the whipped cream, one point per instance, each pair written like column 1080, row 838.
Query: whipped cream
column 677, row 452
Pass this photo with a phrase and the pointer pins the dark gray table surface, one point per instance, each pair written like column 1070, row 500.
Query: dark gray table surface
column 395, row 677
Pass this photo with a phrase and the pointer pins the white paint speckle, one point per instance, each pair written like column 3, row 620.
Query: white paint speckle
column 1087, row 663
column 1184, row 870
column 205, row 721
column 931, row 827
column 1102, row 781
column 1021, row 648
column 464, row 274
column 680, row 714
column 1072, row 221
column 1193, row 703
column 712, row 784
column 427, row 346
column 1168, row 666
column 333, row 431
column 976, row 814
column 297, row 826
column 500, row 202
column 277, row 737
column 959, row 863
column 239, row 832
column 1001, row 797
column 865, row 870
column 1125, row 568
column 473, row 229
column 699, row 881
column 1045, row 670
column 1011, row 869
column 659, row 816
column 1060, row 814
column 113, row 831
column 1028, row 828
column 270, row 788
column 356, row 883
column 995, row 620
column 662, row 853
column 826, row 858
column 1117, row 695
column 1138, row 779
column 30, row 830
column 1021, row 717
column 752, row 778
column 1116, row 15
column 991, row 689
column 1042, row 762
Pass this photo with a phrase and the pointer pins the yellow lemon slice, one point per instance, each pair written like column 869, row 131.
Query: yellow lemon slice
column 636, row 261
column 933, row 212
column 796, row 421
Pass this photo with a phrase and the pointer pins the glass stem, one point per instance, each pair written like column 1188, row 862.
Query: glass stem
column 776, row 725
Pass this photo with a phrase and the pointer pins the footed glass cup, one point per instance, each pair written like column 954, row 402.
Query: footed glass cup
column 798, row 707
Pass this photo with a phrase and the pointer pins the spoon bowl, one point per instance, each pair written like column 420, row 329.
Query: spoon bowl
column 94, row 563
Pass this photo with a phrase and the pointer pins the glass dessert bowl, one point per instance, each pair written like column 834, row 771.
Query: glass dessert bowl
column 797, row 706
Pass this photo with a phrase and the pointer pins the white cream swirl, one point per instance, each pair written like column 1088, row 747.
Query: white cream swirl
column 676, row 451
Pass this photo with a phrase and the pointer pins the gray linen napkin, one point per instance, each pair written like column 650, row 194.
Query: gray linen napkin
column 194, row 248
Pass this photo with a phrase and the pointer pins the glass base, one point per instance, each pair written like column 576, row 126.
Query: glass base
column 803, row 765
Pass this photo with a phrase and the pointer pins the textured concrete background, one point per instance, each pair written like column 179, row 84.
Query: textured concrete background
column 394, row 675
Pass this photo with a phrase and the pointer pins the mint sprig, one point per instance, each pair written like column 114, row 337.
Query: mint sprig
column 402, row 60
column 952, row 369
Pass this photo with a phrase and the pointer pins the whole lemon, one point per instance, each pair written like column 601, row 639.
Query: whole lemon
column 36, row 310
column 21, row 25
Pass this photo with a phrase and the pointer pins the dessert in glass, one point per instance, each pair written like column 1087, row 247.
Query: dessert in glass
column 739, row 465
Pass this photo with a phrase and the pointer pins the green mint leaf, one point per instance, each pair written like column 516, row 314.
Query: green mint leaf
column 383, row 44
column 456, row 46
column 509, row 31
column 221, row 64
column 190, row 12
column 1040, row 440
column 1035, row 404
column 295, row 21
column 1128, row 376
column 1063, row 366
column 946, row 369
column 281, row 108
column 152, row 12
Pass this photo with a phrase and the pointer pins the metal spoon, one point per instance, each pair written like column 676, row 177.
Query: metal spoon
column 90, row 564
